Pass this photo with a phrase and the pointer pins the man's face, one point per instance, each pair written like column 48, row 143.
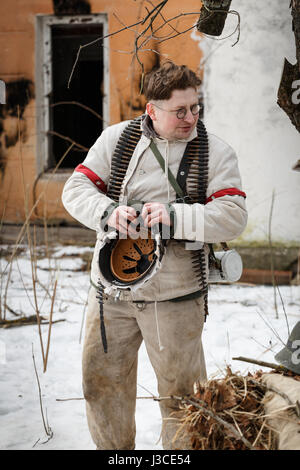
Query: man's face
column 164, row 114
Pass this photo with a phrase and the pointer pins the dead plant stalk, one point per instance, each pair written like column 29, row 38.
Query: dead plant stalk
column 26, row 228
column 272, row 253
column 47, row 428
column 50, row 326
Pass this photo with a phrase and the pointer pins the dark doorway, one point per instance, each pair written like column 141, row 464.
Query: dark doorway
column 68, row 119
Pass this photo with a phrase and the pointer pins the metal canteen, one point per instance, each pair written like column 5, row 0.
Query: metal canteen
column 231, row 267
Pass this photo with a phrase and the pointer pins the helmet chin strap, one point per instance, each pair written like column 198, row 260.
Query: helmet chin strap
column 99, row 296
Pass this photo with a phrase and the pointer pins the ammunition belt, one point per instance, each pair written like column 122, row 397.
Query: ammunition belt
column 120, row 160
column 193, row 178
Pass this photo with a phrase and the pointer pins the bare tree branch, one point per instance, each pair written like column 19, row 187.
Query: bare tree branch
column 149, row 32
column 69, row 140
column 77, row 103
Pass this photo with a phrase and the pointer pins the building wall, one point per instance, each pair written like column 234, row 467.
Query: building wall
column 240, row 93
column 23, row 191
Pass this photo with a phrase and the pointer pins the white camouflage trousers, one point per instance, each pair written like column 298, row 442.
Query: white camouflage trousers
column 172, row 334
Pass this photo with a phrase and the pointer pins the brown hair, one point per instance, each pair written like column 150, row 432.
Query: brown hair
column 159, row 83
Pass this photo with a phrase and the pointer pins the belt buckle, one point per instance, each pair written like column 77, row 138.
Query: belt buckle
column 140, row 304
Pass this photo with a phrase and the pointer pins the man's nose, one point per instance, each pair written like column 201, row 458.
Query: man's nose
column 189, row 117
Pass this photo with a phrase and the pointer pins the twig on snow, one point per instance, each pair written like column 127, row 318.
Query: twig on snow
column 47, row 428
column 261, row 363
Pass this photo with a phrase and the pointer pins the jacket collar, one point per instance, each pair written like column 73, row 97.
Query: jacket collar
column 149, row 132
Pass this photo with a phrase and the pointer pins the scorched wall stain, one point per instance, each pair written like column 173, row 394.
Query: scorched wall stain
column 71, row 7
column 12, row 123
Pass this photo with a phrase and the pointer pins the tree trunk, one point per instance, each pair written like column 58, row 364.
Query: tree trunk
column 213, row 15
column 295, row 4
column 288, row 97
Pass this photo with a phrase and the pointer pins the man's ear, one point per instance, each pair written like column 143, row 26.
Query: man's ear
column 151, row 111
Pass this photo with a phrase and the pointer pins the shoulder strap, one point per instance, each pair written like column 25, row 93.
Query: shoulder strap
column 161, row 161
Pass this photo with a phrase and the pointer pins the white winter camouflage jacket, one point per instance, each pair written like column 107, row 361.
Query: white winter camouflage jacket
column 222, row 218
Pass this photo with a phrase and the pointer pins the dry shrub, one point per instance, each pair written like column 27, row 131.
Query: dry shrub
column 227, row 414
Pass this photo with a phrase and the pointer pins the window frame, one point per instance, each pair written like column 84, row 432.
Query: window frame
column 43, row 78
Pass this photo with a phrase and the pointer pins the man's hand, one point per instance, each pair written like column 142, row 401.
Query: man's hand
column 122, row 218
column 154, row 213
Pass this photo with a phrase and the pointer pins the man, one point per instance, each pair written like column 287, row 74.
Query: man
column 168, row 311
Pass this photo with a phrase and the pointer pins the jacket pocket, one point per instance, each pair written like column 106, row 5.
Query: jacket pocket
column 179, row 249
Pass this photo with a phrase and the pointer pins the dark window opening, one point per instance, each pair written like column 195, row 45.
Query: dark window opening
column 74, row 122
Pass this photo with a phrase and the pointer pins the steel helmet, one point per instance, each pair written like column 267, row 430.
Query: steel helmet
column 127, row 263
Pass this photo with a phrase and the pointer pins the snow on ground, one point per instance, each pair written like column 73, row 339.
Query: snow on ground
column 242, row 322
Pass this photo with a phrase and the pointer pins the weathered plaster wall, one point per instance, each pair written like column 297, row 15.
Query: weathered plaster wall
column 240, row 88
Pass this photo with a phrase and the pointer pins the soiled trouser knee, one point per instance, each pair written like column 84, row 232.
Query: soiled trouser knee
column 178, row 360
column 109, row 379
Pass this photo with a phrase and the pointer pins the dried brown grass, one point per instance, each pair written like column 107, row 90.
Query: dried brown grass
column 227, row 414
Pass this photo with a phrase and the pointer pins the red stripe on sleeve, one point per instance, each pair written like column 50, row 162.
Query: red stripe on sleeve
column 225, row 192
column 92, row 177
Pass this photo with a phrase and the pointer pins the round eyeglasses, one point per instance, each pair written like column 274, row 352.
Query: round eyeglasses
column 182, row 112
